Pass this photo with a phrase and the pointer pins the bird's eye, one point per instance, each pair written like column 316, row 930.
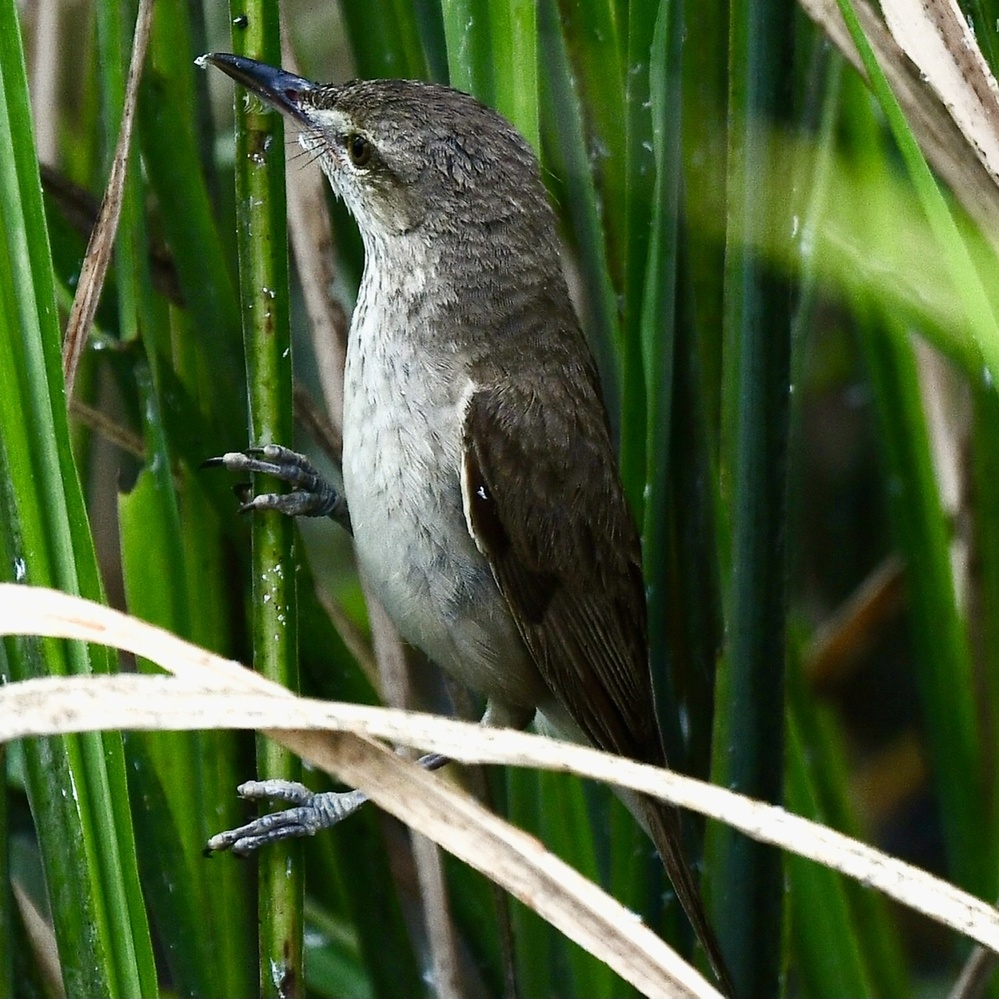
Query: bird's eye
column 358, row 149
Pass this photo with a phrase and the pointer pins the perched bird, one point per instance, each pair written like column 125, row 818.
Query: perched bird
column 479, row 478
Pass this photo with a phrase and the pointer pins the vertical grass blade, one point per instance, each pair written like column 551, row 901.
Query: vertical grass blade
column 943, row 666
column 208, row 356
column 657, row 310
column 567, row 155
column 705, row 98
column 755, row 410
column 6, row 888
column 386, row 39
column 514, row 37
column 77, row 786
column 263, row 282
column 823, row 934
column 985, row 465
column 492, row 52
column 469, row 57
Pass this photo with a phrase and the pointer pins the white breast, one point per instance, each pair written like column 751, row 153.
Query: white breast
column 401, row 462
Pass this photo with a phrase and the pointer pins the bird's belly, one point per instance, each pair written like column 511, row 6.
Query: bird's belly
column 400, row 466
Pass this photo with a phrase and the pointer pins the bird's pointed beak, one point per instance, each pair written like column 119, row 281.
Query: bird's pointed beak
column 282, row 90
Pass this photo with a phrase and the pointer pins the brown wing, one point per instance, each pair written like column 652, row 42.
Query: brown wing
column 545, row 506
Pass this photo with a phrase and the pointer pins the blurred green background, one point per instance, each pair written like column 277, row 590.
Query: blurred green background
column 796, row 330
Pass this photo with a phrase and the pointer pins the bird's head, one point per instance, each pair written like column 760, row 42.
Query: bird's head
column 404, row 155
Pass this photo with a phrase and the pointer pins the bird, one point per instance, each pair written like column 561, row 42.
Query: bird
column 480, row 479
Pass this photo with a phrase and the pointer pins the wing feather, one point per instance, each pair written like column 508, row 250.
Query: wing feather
column 545, row 506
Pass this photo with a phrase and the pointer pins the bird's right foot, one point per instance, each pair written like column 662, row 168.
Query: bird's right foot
column 311, row 494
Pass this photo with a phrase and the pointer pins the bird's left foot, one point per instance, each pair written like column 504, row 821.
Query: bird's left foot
column 311, row 813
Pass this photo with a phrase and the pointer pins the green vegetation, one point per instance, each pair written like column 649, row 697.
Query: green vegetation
column 796, row 325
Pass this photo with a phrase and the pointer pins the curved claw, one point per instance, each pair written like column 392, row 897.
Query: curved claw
column 275, row 789
column 272, row 828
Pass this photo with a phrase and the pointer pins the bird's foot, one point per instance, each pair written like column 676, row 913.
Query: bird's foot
column 311, row 495
column 311, row 812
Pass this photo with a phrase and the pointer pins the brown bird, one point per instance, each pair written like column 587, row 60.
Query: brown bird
column 480, row 481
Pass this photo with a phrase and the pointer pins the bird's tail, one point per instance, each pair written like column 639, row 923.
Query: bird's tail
column 662, row 822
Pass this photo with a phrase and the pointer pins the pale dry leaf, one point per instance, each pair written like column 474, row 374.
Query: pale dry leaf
column 55, row 705
column 428, row 804
column 937, row 38
column 220, row 691
column 46, row 37
column 41, row 940
column 101, row 244
column 975, row 975
column 935, row 131
column 312, row 244
column 517, row 861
